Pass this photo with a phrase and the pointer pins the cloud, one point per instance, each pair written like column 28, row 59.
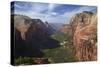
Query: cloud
column 39, row 7
column 17, row 6
column 51, row 7
column 46, row 12
column 23, row 6
column 57, row 19
column 78, row 10
column 54, row 13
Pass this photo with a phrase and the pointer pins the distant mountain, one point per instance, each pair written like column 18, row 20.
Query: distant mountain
column 56, row 26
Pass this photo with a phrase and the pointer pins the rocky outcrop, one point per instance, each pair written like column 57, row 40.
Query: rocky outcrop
column 84, row 32
column 22, row 24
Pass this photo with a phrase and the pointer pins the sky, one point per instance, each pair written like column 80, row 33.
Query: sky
column 51, row 12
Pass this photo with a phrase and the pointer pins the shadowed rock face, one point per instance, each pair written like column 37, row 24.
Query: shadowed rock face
column 84, row 32
column 31, row 36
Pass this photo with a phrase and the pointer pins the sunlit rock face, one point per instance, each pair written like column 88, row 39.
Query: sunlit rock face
column 84, row 32
column 22, row 24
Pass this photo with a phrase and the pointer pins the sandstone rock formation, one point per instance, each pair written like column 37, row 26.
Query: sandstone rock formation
column 66, row 29
column 22, row 24
column 84, row 32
